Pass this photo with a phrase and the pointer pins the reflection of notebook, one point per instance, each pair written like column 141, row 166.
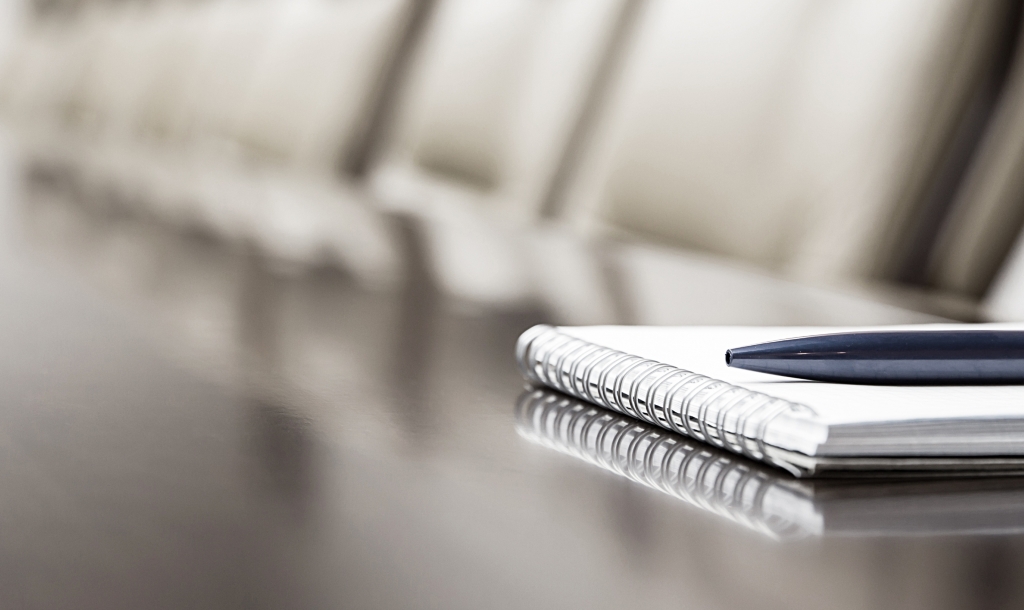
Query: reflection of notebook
column 677, row 378
column 765, row 499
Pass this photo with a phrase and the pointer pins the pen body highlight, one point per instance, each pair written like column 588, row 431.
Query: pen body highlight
column 955, row 357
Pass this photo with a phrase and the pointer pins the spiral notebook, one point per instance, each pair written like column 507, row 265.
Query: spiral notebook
column 677, row 378
column 765, row 499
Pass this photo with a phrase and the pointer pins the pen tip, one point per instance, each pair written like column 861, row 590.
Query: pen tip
column 728, row 357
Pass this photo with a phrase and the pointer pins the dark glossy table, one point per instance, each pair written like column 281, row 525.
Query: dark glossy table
column 186, row 424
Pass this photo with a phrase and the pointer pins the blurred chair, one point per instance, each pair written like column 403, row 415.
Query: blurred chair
column 314, row 82
column 495, row 93
column 970, row 257
column 981, row 252
column 313, row 72
column 120, row 63
column 494, row 99
column 44, row 68
column 234, row 36
column 797, row 136
column 229, row 115
column 793, row 135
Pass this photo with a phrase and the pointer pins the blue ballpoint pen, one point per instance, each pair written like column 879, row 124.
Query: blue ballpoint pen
column 925, row 357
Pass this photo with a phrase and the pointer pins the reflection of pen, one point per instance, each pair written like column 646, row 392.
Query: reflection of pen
column 935, row 357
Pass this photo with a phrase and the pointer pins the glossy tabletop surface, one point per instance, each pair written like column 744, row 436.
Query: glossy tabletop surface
column 187, row 424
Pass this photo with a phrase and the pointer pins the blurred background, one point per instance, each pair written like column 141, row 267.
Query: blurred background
column 336, row 216
column 504, row 149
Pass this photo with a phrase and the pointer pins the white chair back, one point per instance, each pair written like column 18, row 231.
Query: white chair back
column 794, row 134
column 493, row 97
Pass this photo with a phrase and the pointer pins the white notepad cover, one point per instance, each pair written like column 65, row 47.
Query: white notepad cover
column 842, row 420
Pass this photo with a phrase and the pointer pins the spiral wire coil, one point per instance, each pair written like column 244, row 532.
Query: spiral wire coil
column 698, row 475
column 703, row 408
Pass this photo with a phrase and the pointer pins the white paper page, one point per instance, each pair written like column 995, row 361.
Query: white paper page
column 701, row 349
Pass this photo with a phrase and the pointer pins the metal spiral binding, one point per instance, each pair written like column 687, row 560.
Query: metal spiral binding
column 698, row 475
column 707, row 409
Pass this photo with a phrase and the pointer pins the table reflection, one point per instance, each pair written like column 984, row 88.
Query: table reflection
column 327, row 439
column 764, row 499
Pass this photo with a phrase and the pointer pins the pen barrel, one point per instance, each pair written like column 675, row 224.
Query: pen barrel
column 920, row 357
